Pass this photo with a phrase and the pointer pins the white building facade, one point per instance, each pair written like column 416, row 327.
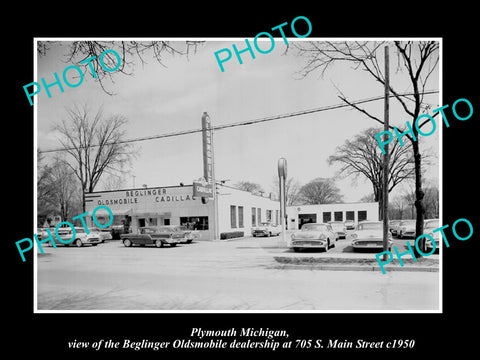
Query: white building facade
column 323, row 213
column 237, row 210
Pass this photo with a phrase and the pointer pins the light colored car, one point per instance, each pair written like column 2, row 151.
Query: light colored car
column 369, row 235
column 406, row 228
column 190, row 234
column 266, row 229
column 81, row 237
column 339, row 228
column 393, row 226
column 103, row 234
column 313, row 236
column 428, row 227
column 158, row 236
column 350, row 225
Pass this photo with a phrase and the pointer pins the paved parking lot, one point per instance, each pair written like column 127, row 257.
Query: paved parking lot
column 240, row 274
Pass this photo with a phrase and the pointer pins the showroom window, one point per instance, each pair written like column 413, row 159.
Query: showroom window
column 269, row 215
column 338, row 215
column 362, row 215
column 240, row 216
column 327, row 216
column 233, row 216
column 195, row 222
column 350, row 215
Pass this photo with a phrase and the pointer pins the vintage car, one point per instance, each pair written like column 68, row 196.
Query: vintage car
column 393, row 226
column 313, row 236
column 350, row 225
column 190, row 234
column 339, row 228
column 266, row 229
column 369, row 235
column 103, row 234
column 428, row 227
column 81, row 237
column 406, row 228
column 158, row 236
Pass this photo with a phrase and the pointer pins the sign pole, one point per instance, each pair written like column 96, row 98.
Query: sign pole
column 282, row 174
column 209, row 168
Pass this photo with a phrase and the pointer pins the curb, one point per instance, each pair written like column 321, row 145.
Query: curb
column 351, row 264
column 353, row 268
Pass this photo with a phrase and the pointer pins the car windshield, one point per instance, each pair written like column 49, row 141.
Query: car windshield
column 79, row 230
column 370, row 226
column 406, row 223
column 314, row 227
column 432, row 224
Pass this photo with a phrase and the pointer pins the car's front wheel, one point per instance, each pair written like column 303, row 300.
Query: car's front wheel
column 127, row 243
column 78, row 243
column 158, row 243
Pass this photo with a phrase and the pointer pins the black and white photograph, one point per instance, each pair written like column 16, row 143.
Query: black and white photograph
column 297, row 125
column 281, row 187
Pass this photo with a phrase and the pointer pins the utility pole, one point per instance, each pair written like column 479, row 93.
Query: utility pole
column 385, row 156
column 282, row 175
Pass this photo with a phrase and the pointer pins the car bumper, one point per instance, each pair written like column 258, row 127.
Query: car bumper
column 308, row 243
column 174, row 240
column 369, row 244
column 92, row 241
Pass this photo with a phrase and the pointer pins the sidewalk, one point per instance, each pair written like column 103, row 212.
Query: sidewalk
column 341, row 257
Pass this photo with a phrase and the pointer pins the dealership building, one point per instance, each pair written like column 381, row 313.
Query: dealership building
column 322, row 213
column 236, row 211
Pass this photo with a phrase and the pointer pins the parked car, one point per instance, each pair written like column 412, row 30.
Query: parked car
column 406, row 228
column 190, row 234
column 393, row 227
column 158, row 236
column 313, row 236
column 103, row 234
column 266, row 229
column 369, row 235
column 428, row 227
column 350, row 225
column 339, row 228
column 81, row 237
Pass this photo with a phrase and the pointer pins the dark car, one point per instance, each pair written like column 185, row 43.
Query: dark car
column 158, row 236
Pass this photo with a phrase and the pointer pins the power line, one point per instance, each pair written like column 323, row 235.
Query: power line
column 247, row 122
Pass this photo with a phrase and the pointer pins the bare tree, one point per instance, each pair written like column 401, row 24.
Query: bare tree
column 397, row 207
column 320, row 191
column 67, row 189
column 362, row 156
column 418, row 59
column 249, row 186
column 96, row 144
column 129, row 52
column 45, row 189
column 292, row 188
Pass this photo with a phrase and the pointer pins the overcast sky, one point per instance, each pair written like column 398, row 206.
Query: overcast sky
column 158, row 100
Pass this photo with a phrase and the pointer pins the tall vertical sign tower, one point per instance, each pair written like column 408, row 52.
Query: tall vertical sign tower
column 209, row 168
